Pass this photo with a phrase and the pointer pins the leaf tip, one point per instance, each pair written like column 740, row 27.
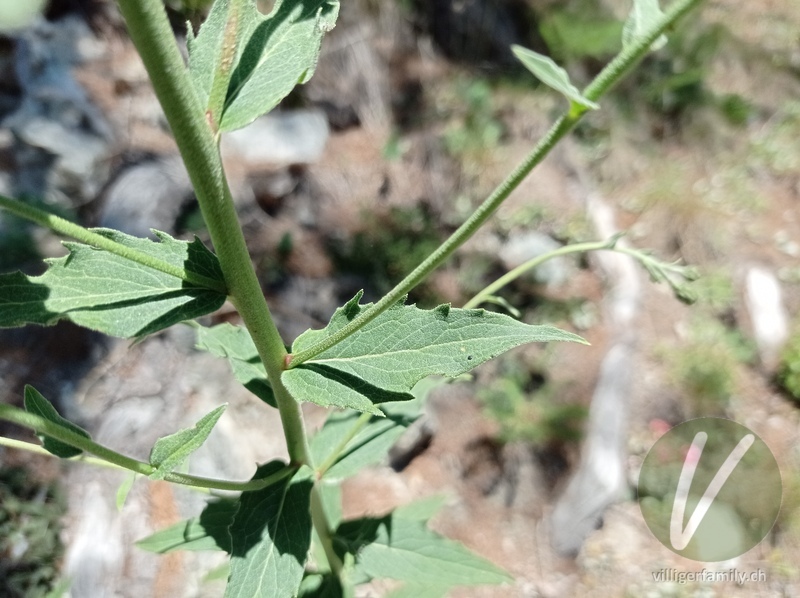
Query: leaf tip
column 352, row 308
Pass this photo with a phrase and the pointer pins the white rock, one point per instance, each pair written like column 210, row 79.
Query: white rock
column 767, row 313
column 280, row 139
column 145, row 196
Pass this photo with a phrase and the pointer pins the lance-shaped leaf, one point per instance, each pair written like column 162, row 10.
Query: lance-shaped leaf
column 644, row 15
column 124, row 489
column 37, row 404
column 274, row 53
column 359, row 447
column 236, row 345
column 403, row 548
column 552, row 75
column 270, row 537
column 209, row 531
column 105, row 292
column 370, row 445
column 387, row 357
column 171, row 451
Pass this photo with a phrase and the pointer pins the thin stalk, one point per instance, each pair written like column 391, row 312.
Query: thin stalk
column 38, row 449
column 151, row 34
column 608, row 77
column 362, row 421
column 324, row 532
column 616, row 70
column 446, row 249
column 110, row 458
column 89, row 237
column 215, row 484
column 43, row 426
column 532, row 263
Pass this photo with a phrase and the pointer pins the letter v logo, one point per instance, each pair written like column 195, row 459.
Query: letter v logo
column 678, row 537
column 716, row 500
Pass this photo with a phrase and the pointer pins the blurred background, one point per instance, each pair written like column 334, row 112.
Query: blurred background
column 417, row 110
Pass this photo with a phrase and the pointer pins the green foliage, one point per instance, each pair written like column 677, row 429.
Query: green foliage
column 30, row 547
column 552, row 75
column 109, row 293
column 389, row 245
column 35, row 403
column 789, row 370
column 241, row 64
column 775, row 146
column 347, row 456
column 526, row 409
column 273, row 53
column 736, row 109
column 706, row 364
column 673, row 80
column 208, row 531
column 169, row 453
column 480, row 130
column 270, row 537
column 400, row 547
column 236, row 345
column 714, row 289
column 572, row 35
column 16, row 243
column 401, row 346
column 644, row 15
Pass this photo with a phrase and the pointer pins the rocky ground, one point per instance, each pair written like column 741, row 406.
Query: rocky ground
column 413, row 116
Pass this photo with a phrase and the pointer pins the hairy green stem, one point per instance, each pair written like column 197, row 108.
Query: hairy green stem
column 362, row 421
column 110, row 458
column 658, row 270
column 90, row 237
column 233, row 486
column 324, row 532
column 616, row 70
column 532, row 263
column 608, row 77
column 151, row 34
column 41, row 425
column 38, row 449
column 446, row 249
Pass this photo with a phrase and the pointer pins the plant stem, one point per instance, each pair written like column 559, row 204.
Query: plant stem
column 21, row 445
column 607, row 78
column 110, row 458
column 324, row 532
column 446, row 249
column 616, row 70
column 151, row 34
column 70, row 229
column 362, row 421
column 532, row 263
column 215, row 484
column 43, row 426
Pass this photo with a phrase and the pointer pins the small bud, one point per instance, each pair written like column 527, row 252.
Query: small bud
column 685, row 294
